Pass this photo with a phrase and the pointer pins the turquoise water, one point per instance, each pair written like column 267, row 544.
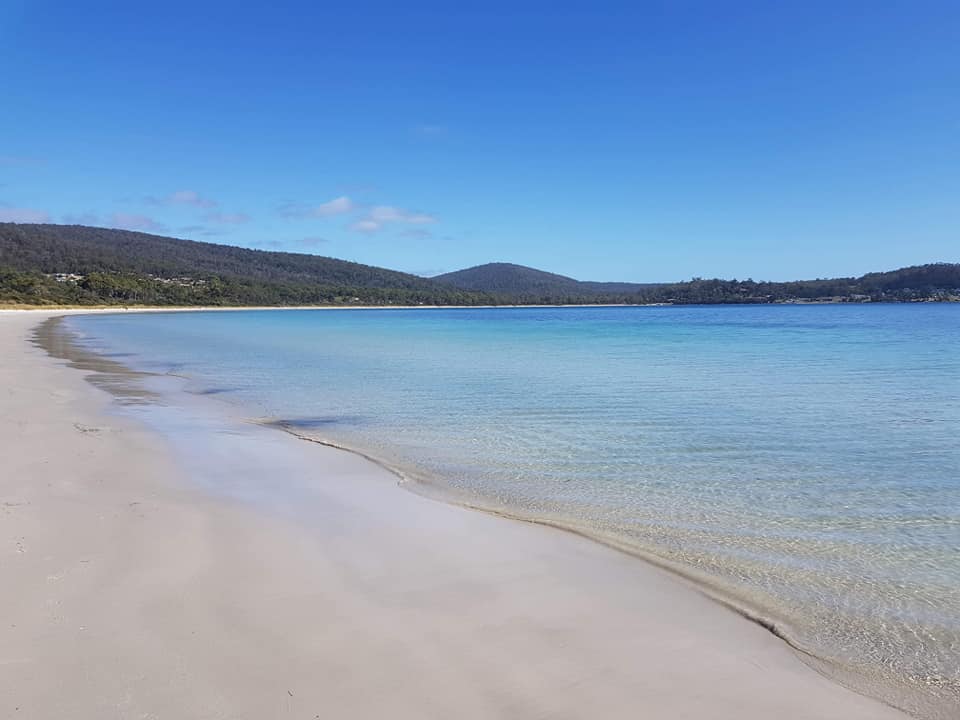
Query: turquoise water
column 800, row 462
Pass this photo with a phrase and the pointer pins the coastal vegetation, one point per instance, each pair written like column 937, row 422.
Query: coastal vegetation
column 938, row 281
column 42, row 264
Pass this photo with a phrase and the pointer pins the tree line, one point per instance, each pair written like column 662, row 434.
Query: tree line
column 78, row 265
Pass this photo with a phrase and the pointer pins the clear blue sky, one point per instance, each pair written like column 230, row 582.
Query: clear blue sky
column 636, row 141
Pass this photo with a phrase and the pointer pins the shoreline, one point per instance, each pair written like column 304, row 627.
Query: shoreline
column 93, row 309
column 238, row 308
column 904, row 698
column 691, row 642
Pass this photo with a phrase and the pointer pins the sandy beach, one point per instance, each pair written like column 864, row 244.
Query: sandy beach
column 229, row 570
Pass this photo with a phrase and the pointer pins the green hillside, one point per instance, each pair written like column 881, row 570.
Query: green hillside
column 79, row 265
column 518, row 280
column 131, row 267
column 939, row 281
column 510, row 279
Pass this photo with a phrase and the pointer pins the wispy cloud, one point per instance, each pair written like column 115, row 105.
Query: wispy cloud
column 227, row 218
column 182, row 197
column 380, row 216
column 365, row 226
column 338, row 206
column 130, row 221
column 366, row 218
column 388, row 214
column 312, row 241
column 23, row 215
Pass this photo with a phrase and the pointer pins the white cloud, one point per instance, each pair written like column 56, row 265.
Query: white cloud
column 337, row 206
column 312, row 241
column 381, row 215
column 365, row 226
column 183, row 197
column 366, row 219
column 387, row 213
column 23, row 215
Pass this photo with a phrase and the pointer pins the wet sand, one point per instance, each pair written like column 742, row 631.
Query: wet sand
column 221, row 569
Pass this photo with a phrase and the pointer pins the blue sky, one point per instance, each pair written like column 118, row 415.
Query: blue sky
column 640, row 141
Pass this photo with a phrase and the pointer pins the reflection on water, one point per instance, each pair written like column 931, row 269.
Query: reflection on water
column 125, row 384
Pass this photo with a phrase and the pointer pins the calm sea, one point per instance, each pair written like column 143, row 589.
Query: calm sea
column 800, row 462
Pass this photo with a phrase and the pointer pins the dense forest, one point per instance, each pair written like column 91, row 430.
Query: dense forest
column 517, row 280
column 75, row 264
column 925, row 282
column 79, row 265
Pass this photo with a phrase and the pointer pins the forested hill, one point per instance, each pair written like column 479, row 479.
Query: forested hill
column 938, row 281
column 79, row 264
column 510, row 279
column 526, row 281
column 73, row 264
column 81, row 249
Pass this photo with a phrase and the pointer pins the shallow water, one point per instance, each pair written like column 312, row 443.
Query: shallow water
column 800, row 462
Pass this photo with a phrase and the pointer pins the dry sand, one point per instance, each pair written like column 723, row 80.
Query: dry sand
column 257, row 576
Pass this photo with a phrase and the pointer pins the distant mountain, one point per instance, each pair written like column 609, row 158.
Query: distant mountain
column 529, row 282
column 79, row 265
column 509, row 278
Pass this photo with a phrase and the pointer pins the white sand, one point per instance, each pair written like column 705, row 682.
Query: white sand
column 258, row 576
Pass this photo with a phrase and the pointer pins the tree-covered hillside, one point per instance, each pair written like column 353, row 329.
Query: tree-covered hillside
column 75, row 264
column 518, row 280
column 939, row 281
column 511, row 279
column 934, row 282
column 81, row 249
column 78, row 265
